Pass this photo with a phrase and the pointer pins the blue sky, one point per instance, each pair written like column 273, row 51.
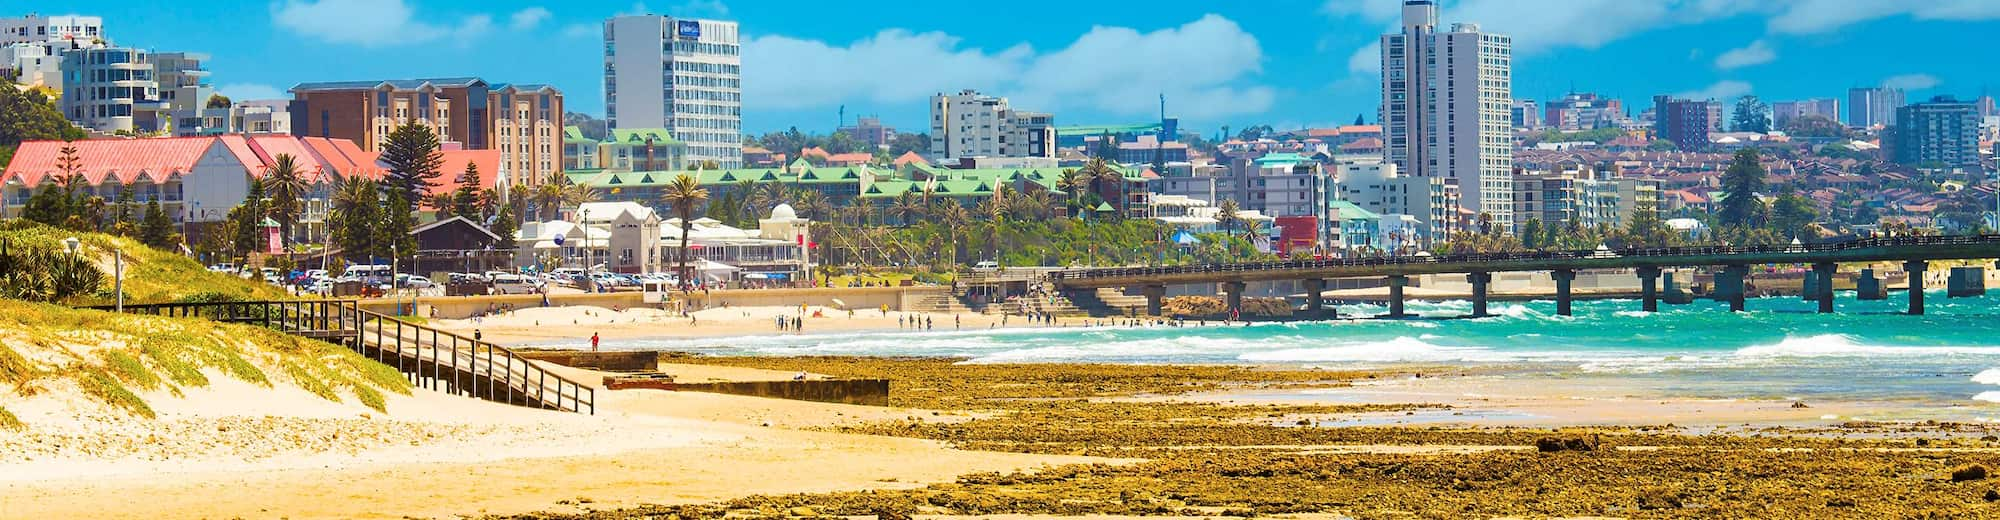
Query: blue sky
column 1288, row 63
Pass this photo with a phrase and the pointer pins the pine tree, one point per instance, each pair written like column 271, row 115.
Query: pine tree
column 124, row 222
column 157, row 229
column 46, row 206
column 1740, row 184
column 392, row 232
column 412, row 157
column 249, row 219
column 507, row 220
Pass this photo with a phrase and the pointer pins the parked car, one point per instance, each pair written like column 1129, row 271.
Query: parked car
column 514, row 284
column 411, row 281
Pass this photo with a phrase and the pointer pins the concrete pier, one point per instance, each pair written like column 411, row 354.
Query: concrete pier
column 1315, row 297
column 1869, row 287
column 1396, row 285
column 1155, row 298
column 1730, row 287
column 1916, row 269
column 1233, row 298
column 1824, row 290
column 1966, row 282
column 1563, row 278
column 1481, row 282
column 1649, row 289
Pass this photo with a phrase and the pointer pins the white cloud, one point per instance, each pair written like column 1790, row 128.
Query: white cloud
column 582, row 30
column 1721, row 90
column 1111, row 69
column 527, row 19
column 1367, row 59
column 1818, row 16
column 250, row 91
column 473, row 27
column 1757, row 53
column 1911, row 81
column 370, row 23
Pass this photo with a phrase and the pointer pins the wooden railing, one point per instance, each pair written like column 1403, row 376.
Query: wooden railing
column 431, row 358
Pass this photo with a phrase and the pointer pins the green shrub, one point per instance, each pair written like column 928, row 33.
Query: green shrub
column 98, row 384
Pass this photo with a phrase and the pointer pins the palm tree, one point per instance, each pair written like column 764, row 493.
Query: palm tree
column 744, row 190
column 907, row 208
column 548, row 197
column 1103, row 174
column 355, row 201
column 1225, row 216
column 995, row 210
column 955, row 219
column 1074, row 183
column 814, row 205
column 286, row 190
column 683, row 194
column 861, row 211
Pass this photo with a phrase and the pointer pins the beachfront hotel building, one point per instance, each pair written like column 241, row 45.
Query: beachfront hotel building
column 523, row 122
column 971, row 125
column 683, row 75
column 1447, row 101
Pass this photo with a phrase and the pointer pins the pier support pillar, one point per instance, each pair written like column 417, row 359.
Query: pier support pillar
column 1966, row 282
column 1155, row 294
column 1868, row 287
column 1916, row 269
column 1730, row 286
column 1396, row 284
column 1481, row 283
column 1563, row 278
column 1649, row 289
column 1315, row 301
column 1823, row 285
column 1233, row 297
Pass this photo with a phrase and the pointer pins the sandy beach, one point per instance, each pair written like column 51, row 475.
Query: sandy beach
column 433, row 455
column 546, row 324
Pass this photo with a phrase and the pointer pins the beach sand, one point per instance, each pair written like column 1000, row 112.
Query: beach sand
column 238, row 450
column 549, row 324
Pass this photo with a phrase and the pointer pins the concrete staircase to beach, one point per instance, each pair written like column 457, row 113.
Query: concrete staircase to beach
column 940, row 303
column 1058, row 306
column 1106, row 302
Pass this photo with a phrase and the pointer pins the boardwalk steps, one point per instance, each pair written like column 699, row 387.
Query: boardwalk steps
column 431, row 358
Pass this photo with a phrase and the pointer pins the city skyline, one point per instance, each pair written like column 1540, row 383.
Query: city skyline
column 1311, row 65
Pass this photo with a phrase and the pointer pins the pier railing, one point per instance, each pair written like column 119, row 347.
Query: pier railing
column 1636, row 255
column 430, row 357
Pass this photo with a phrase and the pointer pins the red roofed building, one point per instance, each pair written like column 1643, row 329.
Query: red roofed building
column 910, row 157
column 848, row 159
column 196, row 179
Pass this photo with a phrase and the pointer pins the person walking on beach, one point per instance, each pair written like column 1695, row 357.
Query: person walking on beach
column 955, row 323
column 593, row 342
column 927, row 323
column 475, row 335
column 798, row 323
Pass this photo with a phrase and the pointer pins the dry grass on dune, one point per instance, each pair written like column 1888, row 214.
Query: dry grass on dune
column 112, row 359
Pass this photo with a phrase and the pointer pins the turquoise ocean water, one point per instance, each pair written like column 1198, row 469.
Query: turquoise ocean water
column 1781, row 349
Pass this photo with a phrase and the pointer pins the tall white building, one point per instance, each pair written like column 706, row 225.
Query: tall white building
column 970, row 124
column 32, row 47
column 683, row 75
column 1447, row 100
column 35, row 28
column 110, row 90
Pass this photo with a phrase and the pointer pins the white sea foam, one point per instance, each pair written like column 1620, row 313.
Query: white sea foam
column 1991, row 397
column 1842, row 345
column 1989, row 376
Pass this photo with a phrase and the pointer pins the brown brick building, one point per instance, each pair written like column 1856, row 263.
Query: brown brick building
column 522, row 121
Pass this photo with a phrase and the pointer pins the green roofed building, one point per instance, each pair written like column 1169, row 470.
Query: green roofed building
column 627, row 149
column 841, row 185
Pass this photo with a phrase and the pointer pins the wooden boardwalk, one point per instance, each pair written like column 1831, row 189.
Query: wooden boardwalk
column 432, row 358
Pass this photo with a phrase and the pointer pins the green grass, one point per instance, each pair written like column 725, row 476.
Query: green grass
column 152, row 353
column 151, row 275
column 9, row 422
column 101, row 385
